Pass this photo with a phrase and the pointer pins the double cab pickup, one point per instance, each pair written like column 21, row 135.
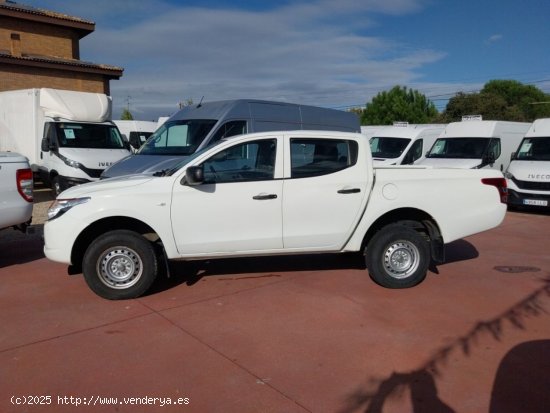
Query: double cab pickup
column 271, row 193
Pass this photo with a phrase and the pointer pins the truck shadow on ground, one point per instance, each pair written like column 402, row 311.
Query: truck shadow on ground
column 190, row 272
column 18, row 248
column 521, row 383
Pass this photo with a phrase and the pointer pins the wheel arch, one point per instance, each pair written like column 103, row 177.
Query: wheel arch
column 101, row 226
column 413, row 218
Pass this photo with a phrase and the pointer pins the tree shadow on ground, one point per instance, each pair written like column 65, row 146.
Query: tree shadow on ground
column 421, row 382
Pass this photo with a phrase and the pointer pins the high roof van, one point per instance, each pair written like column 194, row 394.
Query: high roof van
column 528, row 175
column 402, row 143
column 199, row 126
column 476, row 143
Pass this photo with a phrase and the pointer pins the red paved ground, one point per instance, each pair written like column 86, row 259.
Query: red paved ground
column 292, row 334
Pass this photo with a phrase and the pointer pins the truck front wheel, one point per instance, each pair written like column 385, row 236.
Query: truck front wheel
column 120, row 264
column 398, row 257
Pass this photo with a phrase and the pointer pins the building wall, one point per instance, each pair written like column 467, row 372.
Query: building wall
column 38, row 38
column 20, row 77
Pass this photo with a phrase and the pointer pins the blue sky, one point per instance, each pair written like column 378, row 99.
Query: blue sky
column 337, row 53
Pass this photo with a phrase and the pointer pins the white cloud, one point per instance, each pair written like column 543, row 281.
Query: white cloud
column 312, row 52
column 493, row 39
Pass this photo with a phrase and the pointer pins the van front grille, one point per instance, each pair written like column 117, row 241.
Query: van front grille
column 534, row 186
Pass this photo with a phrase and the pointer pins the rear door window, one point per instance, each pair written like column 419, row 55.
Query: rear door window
column 315, row 157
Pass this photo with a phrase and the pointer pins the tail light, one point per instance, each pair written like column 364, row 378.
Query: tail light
column 25, row 183
column 500, row 184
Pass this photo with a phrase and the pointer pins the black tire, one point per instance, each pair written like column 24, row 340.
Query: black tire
column 398, row 257
column 120, row 264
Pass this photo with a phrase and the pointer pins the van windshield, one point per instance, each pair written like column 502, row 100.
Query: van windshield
column 181, row 137
column 534, row 149
column 459, row 148
column 88, row 135
column 388, row 148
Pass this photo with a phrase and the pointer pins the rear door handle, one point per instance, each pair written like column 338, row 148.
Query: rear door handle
column 261, row 197
column 349, row 191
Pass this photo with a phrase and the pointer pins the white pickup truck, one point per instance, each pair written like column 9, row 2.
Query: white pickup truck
column 16, row 184
column 271, row 193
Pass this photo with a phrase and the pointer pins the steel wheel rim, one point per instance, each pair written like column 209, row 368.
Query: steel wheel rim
column 119, row 267
column 401, row 259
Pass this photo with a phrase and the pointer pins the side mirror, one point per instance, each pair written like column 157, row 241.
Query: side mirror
column 134, row 141
column 194, row 175
column 489, row 159
column 45, row 145
column 513, row 156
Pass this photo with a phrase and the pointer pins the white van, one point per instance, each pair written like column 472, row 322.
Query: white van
column 476, row 143
column 67, row 136
column 136, row 132
column 196, row 127
column 403, row 144
column 528, row 175
column 370, row 130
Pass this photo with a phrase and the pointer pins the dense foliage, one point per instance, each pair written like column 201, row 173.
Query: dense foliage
column 126, row 115
column 498, row 100
column 398, row 104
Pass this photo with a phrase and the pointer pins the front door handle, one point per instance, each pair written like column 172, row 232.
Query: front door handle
column 349, row 191
column 261, row 197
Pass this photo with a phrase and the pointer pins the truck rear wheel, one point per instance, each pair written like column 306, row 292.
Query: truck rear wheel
column 398, row 257
column 120, row 264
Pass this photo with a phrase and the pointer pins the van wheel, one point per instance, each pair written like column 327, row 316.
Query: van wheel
column 397, row 257
column 120, row 264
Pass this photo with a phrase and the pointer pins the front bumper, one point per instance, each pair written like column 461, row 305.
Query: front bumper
column 59, row 237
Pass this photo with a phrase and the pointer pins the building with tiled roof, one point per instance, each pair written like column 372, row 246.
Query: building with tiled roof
column 40, row 48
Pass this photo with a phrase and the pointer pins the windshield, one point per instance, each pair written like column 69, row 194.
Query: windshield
column 181, row 137
column 388, row 148
column 534, row 149
column 89, row 135
column 459, row 148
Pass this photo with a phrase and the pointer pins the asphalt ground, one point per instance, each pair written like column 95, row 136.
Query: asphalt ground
column 285, row 334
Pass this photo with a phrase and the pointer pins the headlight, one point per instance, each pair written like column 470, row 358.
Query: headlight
column 69, row 162
column 508, row 175
column 60, row 206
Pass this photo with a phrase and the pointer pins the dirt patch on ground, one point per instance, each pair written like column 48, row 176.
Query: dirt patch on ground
column 43, row 197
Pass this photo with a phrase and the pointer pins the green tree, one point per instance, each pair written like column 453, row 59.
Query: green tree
column 126, row 115
column 500, row 100
column 398, row 104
